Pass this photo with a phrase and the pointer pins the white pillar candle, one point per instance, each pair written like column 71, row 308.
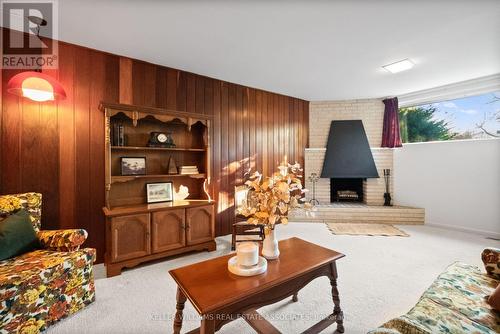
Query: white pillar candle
column 247, row 254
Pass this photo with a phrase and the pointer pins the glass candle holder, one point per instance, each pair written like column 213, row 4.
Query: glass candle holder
column 247, row 254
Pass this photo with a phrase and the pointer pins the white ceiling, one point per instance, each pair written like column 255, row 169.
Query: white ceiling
column 315, row 50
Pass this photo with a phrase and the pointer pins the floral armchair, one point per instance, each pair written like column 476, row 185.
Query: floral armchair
column 43, row 286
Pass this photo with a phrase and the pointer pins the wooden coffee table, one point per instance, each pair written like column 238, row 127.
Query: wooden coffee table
column 221, row 297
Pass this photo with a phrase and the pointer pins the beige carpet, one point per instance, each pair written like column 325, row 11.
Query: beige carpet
column 365, row 229
column 374, row 284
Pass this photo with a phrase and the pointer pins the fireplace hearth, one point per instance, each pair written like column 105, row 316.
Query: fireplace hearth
column 346, row 190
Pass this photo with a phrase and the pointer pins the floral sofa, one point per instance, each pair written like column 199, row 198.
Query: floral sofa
column 43, row 286
column 454, row 303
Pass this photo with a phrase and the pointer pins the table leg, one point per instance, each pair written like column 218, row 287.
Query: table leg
column 181, row 300
column 295, row 297
column 207, row 325
column 337, row 311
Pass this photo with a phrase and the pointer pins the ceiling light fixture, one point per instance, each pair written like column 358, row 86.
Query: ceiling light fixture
column 399, row 66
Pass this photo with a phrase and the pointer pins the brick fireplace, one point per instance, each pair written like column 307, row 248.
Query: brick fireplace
column 370, row 209
column 371, row 113
column 373, row 189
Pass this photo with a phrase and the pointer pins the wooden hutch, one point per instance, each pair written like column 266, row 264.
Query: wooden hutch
column 136, row 231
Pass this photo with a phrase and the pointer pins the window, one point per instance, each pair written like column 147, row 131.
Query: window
column 473, row 117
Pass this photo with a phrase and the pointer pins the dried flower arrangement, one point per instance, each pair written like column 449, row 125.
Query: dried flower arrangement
column 271, row 198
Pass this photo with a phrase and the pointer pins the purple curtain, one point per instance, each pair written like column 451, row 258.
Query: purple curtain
column 391, row 136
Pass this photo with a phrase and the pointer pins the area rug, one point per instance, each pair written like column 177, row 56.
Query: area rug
column 366, row 229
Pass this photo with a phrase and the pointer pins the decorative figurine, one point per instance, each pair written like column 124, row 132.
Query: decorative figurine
column 182, row 194
column 172, row 166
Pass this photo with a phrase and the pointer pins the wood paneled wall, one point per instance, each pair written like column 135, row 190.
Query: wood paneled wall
column 58, row 148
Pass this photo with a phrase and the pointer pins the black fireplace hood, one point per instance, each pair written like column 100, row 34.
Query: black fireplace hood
column 348, row 154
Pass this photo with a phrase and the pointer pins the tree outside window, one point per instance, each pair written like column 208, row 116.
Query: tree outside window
column 474, row 117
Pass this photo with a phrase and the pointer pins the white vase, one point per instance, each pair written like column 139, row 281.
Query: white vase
column 270, row 248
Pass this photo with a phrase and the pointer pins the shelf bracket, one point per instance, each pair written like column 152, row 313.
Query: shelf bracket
column 135, row 117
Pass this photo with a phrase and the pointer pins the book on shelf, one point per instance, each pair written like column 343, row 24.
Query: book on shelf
column 114, row 135
column 118, row 135
column 186, row 170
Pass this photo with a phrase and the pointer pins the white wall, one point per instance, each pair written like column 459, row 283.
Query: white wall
column 457, row 182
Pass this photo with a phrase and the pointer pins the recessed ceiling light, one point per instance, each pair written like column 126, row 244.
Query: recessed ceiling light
column 399, row 66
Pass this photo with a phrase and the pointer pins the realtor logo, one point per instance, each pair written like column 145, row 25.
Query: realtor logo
column 29, row 37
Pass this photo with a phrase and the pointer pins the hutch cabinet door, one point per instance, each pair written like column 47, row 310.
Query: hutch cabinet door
column 168, row 230
column 130, row 237
column 200, row 224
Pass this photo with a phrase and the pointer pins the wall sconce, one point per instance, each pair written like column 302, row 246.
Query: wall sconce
column 36, row 86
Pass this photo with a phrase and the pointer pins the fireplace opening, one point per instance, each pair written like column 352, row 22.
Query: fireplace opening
column 346, row 190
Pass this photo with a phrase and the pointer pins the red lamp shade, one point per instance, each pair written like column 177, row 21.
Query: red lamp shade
column 36, row 86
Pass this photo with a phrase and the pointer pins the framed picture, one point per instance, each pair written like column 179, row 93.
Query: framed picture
column 133, row 165
column 159, row 192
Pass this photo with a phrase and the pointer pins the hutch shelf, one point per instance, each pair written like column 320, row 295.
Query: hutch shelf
column 126, row 178
column 137, row 148
column 136, row 231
